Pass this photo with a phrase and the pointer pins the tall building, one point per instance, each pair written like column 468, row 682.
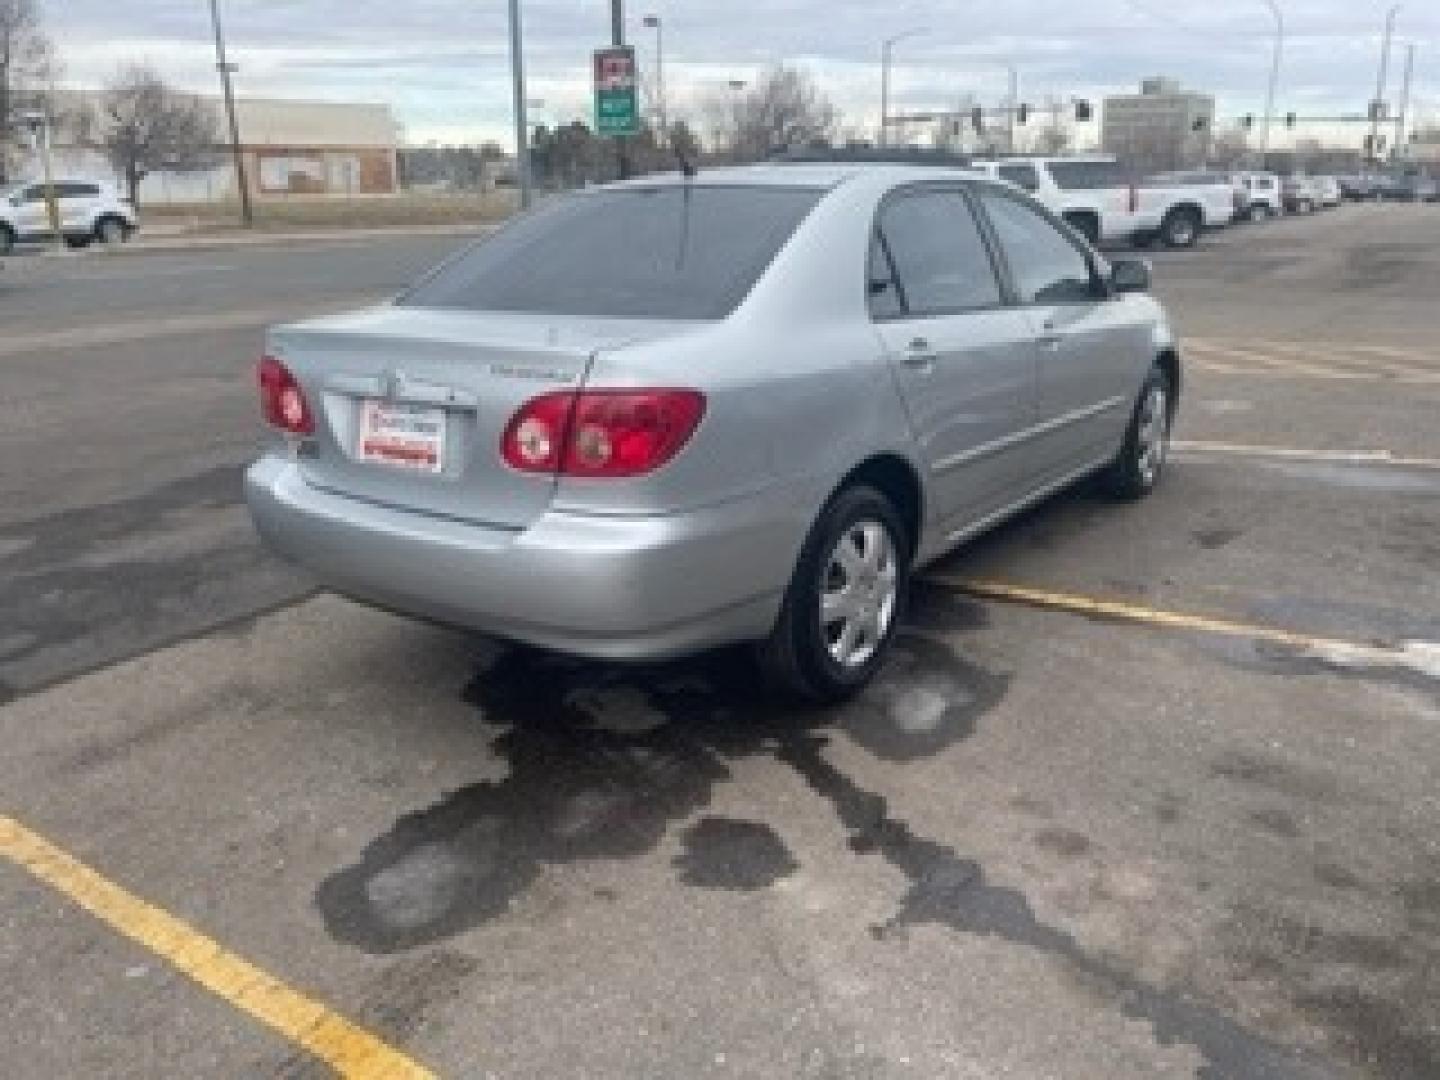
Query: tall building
column 1162, row 127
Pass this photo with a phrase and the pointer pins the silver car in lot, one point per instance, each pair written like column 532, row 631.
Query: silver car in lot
column 672, row 414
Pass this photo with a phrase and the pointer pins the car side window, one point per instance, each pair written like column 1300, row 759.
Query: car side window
column 940, row 260
column 882, row 285
column 77, row 191
column 1044, row 265
column 36, row 193
column 1022, row 176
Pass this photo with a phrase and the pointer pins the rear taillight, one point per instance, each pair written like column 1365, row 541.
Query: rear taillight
column 282, row 400
column 601, row 433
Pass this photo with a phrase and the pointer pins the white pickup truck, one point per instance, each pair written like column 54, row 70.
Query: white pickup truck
column 1098, row 198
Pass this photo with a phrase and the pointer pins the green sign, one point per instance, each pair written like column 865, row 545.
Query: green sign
column 617, row 105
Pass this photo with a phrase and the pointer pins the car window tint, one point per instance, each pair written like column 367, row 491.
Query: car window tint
column 1087, row 175
column 1022, row 176
column 1046, row 267
column 883, row 289
column 78, row 191
column 939, row 253
column 677, row 251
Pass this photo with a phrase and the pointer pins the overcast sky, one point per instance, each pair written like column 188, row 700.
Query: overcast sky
column 443, row 64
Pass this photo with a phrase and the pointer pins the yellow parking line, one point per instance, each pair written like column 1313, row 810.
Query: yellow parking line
column 351, row 1051
column 986, row 589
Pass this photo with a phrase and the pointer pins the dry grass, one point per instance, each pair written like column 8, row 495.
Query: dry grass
column 301, row 213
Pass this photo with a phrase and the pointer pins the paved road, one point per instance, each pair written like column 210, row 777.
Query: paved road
column 1194, row 832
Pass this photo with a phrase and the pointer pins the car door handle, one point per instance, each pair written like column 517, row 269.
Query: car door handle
column 919, row 355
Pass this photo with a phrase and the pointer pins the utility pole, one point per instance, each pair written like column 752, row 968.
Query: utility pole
column 653, row 21
column 1377, row 107
column 1399, row 146
column 1274, row 78
column 247, row 214
column 1014, row 106
column 522, row 124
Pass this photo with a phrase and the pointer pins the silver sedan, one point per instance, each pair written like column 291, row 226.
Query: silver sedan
column 672, row 414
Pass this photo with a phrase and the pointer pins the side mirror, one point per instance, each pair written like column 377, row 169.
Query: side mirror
column 1130, row 275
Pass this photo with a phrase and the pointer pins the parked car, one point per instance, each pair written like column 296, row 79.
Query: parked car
column 89, row 212
column 1302, row 194
column 668, row 414
column 1265, row 196
column 1230, row 188
column 1357, row 188
column 1101, row 200
column 1418, row 187
column 1329, row 192
column 1391, row 189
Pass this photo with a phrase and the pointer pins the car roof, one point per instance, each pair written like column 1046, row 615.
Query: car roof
column 824, row 175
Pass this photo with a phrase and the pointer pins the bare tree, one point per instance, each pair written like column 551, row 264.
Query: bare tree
column 149, row 126
column 784, row 107
column 27, row 70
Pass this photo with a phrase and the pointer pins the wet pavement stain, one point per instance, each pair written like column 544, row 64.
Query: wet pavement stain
column 724, row 853
column 603, row 760
column 951, row 891
column 1217, row 537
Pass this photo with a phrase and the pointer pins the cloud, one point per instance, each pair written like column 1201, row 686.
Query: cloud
column 444, row 64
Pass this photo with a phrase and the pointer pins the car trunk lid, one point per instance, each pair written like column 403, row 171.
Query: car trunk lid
column 411, row 403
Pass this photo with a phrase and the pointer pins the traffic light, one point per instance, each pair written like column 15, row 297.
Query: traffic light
column 1083, row 111
column 1290, row 119
column 977, row 117
column 1247, row 121
column 1022, row 114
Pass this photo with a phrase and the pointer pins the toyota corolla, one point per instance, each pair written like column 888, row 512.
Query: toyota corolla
column 684, row 412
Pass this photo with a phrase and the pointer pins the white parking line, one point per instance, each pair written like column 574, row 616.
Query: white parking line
column 1382, row 458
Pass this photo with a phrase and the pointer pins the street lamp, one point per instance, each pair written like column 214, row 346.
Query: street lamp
column 247, row 215
column 887, row 48
column 1378, row 105
column 1274, row 77
column 522, row 137
column 653, row 22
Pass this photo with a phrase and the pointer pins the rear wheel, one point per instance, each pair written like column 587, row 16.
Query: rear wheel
column 75, row 243
column 7, row 239
column 111, row 230
column 1181, row 228
column 1136, row 469
column 844, row 601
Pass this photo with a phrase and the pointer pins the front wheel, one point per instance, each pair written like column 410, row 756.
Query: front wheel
column 1136, row 469
column 844, row 602
column 111, row 231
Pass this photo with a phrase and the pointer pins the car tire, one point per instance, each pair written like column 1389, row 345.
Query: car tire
column 858, row 554
column 7, row 240
column 1137, row 468
column 1181, row 228
column 111, row 231
column 77, row 243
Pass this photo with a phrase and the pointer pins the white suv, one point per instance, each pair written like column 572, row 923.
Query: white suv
column 89, row 211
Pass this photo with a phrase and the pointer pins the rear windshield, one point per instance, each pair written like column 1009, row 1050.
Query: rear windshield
column 1088, row 175
column 673, row 252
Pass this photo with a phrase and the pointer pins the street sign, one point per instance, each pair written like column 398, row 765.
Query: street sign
column 617, row 108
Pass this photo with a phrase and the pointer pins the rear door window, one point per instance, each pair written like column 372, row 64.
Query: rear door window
column 1045, row 266
column 941, row 263
column 676, row 251
column 1087, row 175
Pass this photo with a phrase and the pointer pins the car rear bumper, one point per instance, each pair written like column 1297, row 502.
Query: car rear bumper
column 619, row 588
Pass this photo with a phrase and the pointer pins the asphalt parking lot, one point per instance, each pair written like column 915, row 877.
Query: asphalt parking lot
column 1148, row 790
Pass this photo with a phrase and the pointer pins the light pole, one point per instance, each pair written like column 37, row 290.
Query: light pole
column 887, row 49
column 39, row 125
column 1398, row 147
column 1274, row 78
column 522, row 134
column 653, row 22
column 247, row 215
column 1378, row 105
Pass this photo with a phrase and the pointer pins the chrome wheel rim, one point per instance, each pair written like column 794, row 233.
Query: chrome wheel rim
column 111, row 233
column 858, row 593
column 1182, row 231
column 1153, row 434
